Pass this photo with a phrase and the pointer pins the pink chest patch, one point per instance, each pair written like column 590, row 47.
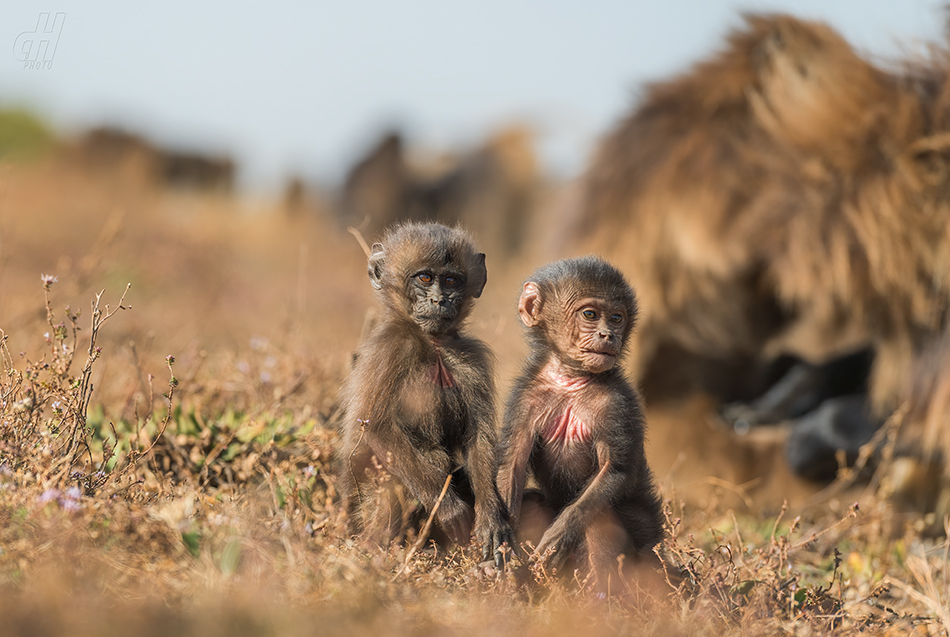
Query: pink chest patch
column 440, row 375
column 566, row 428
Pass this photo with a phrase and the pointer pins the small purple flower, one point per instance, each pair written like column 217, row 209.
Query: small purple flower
column 68, row 501
column 70, row 505
column 48, row 280
column 309, row 471
column 50, row 495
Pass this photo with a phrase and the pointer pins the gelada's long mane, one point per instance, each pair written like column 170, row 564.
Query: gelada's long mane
column 785, row 194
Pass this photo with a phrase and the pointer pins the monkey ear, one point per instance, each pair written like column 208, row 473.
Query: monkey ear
column 529, row 305
column 478, row 275
column 377, row 259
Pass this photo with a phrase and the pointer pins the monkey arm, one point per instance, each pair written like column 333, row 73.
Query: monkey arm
column 385, row 432
column 423, row 472
column 492, row 522
column 568, row 528
column 517, row 441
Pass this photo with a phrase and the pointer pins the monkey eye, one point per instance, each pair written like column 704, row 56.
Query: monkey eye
column 424, row 277
column 590, row 315
column 616, row 319
column 452, row 281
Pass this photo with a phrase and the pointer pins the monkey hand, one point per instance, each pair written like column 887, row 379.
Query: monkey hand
column 455, row 517
column 496, row 539
column 556, row 545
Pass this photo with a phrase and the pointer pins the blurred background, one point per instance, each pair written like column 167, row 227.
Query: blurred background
column 305, row 88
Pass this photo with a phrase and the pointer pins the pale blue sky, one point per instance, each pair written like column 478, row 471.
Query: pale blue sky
column 305, row 86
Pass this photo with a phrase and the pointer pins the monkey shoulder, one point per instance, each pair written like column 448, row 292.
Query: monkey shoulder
column 469, row 350
column 389, row 369
column 619, row 417
column 389, row 345
column 612, row 398
column 624, row 401
column 517, row 416
column 473, row 360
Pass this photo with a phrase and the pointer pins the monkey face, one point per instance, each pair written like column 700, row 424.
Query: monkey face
column 428, row 273
column 581, row 311
column 592, row 333
column 436, row 297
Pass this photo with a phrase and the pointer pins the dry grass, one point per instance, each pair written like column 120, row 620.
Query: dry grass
column 141, row 494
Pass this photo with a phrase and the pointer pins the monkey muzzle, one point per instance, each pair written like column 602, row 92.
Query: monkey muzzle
column 435, row 318
column 599, row 360
column 607, row 354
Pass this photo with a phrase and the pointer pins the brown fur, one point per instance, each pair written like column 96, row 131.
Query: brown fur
column 783, row 195
column 925, row 482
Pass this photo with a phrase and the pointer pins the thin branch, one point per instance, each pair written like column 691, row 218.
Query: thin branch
column 425, row 529
column 359, row 238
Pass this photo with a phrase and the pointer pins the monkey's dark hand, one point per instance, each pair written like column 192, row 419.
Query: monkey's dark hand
column 455, row 517
column 496, row 539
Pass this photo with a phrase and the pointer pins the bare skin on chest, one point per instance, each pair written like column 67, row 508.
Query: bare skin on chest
column 439, row 374
column 563, row 415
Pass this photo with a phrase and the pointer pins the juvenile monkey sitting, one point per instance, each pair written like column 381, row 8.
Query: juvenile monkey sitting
column 419, row 402
column 576, row 424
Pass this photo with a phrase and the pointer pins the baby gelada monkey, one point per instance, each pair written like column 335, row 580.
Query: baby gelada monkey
column 576, row 424
column 419, row 402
